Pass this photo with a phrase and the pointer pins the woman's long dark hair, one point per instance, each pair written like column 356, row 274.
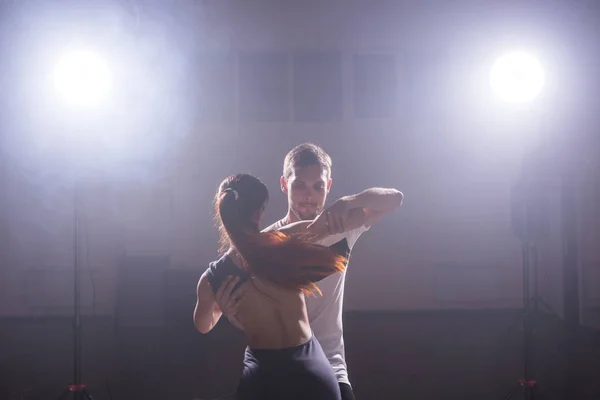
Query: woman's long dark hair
column 288, row 261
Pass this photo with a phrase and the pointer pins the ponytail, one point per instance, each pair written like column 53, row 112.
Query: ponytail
column 288, row 261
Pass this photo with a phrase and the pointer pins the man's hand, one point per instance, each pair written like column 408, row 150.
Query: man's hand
column 334, row 218
column 226, row 298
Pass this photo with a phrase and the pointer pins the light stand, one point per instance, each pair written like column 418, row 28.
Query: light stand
column 83, row 79
column 529, row 223
column 77, row 388
column 527, row 384
column 518, row 78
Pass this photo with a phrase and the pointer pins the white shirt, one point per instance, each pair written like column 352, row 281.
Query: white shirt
column 325, row 312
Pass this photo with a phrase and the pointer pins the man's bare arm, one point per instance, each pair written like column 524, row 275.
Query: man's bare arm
column 375, row 202
column 315, row 232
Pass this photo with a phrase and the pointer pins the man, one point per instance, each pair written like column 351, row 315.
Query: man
column 307, row 181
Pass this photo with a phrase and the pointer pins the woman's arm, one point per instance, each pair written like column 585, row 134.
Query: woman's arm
column 207, row 312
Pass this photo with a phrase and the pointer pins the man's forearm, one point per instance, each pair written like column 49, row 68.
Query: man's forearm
column 378, row 199
column 315, row 232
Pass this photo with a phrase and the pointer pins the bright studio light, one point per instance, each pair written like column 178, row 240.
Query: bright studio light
column 517, row 77
column 82, row 78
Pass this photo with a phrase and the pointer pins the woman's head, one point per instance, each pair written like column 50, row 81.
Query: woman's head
column 289, row 261
column 239, row 205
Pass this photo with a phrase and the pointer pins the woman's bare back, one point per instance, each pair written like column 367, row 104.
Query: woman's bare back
column 272, row 317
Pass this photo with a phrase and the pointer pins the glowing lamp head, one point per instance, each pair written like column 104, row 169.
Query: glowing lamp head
column 82, row 78
column 517, row 77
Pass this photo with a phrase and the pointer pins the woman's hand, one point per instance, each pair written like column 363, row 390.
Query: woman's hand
column 227, row 299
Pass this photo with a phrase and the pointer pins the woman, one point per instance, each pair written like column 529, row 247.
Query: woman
column 271, row 272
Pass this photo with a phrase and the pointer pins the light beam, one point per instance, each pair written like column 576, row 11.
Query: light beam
column 517, row 77
column 82, row 78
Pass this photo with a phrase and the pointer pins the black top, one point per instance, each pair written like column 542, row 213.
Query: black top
column 218, row 270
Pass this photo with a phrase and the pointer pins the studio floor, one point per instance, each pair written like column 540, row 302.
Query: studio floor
column 396, row 355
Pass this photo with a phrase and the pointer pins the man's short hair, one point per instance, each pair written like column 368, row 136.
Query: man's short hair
column 303, row 155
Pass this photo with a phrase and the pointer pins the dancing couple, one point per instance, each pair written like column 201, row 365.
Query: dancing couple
column 284, row 286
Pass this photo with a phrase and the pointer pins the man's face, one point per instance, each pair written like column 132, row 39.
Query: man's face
column 307, row 190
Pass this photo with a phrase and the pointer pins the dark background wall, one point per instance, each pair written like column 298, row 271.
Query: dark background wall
column 395, row 91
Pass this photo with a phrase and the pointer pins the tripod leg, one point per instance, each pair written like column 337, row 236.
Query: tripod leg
column 86, row 395
column 548, row 309
column 512, row 393
column 64, row 394
column 545, row 394
column 529, row 393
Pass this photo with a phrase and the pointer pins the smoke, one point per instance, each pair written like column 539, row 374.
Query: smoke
column 136, row 135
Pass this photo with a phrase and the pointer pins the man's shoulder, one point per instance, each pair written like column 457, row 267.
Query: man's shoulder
column 354, row 234
column 274, row 226
column 349, row 237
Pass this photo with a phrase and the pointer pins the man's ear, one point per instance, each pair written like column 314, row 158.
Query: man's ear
column 283, row 183
column 329, row 182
